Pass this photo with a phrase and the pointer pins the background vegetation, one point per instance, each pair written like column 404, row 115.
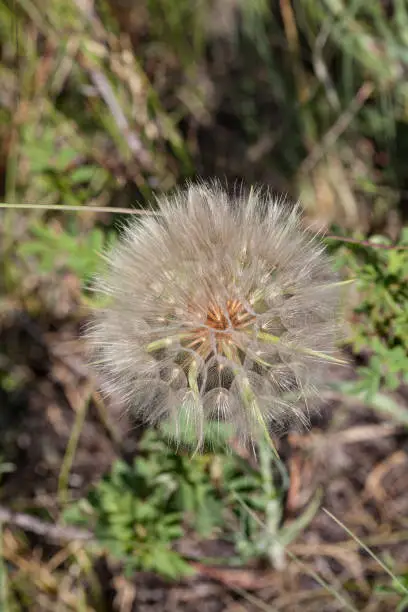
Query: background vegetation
column 103, row 104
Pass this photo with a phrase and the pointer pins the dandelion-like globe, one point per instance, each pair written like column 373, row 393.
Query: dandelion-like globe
column 220, row 309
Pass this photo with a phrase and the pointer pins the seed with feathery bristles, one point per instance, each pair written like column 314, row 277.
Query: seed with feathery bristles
column 220, row 308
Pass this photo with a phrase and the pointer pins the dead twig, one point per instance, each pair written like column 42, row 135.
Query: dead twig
column 102, row 84
column 330, row 138
column 59, row 533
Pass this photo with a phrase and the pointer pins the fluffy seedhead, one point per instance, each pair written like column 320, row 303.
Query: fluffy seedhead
column 219, row 309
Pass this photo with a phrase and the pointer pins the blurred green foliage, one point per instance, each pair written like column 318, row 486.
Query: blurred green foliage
column 55, row 249
column 132, row 520
column 399, row 586
column 381, row 318
column 138, row 511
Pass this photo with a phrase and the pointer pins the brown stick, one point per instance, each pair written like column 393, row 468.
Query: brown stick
column 59, row 533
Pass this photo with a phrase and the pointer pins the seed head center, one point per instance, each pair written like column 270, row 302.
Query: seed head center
column 219, row 324
column 234, row 316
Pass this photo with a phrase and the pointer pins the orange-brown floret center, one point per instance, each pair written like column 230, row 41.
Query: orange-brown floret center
column 234, row 317
column 236, row 313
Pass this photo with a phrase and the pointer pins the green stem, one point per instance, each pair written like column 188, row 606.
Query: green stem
column 276, row 340
column 250, row 401
column 156, row 345
column 273, row 510
column 69, row 456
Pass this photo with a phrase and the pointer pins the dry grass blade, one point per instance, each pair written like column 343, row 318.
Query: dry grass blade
column 347, row 604
column 3, row 574
column 368, row 550
column 82, row 209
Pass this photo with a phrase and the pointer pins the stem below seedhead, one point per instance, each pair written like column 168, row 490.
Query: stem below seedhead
column 250, row 402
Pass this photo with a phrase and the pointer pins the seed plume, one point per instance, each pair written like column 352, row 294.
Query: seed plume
column 218, row 309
